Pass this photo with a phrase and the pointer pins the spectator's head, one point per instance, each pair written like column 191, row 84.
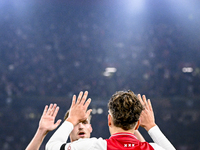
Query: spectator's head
column 124, row 111
column 81, row 130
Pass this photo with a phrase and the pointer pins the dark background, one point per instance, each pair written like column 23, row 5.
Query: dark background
column 52, row 49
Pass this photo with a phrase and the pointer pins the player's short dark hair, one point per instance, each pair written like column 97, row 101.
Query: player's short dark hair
column 125, row 109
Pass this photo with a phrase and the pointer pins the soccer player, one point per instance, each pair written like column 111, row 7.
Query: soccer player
column 126, row 113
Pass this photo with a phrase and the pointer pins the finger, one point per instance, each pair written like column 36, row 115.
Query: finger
column 73, row 100
column 49, row 110
column 57, row 123
column 87, row 103
column 84, row 97
column 51, row 106
column 45, row 110
column 56, row 112
column 79, row 97
column 53, row 109
column 88, row 113
column 150, row 106
column 145, row 101
column 140, row 98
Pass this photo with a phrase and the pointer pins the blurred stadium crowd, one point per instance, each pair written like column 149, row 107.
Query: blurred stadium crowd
column 52, row 51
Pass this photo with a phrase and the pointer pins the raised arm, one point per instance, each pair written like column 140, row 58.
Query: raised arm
column 148, row 122
column 147, row 119
column 46, row 124
column 78, row 112
column 139, row 136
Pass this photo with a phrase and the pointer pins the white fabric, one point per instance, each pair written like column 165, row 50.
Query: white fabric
column 87, row 144
column 159, row 138
column 61, row 135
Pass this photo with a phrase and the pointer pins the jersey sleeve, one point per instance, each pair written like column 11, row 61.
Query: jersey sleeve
column 87, row 144
column 159, row 138
column 156, row 146
column 60, row 136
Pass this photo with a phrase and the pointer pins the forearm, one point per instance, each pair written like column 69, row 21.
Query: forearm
column 139, row 136
column 36, row 141
column 160, row 139
column 60, row 136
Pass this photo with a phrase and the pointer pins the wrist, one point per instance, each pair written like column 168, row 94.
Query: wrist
column 73, row 121
column 42, row 131
column 147, row 128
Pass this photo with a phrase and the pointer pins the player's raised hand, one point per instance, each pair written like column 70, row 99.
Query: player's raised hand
column 147, row 119
column 46, row 124
column 48, row 118
column 78, row 111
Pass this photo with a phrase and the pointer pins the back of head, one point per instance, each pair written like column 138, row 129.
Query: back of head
column 125, row 109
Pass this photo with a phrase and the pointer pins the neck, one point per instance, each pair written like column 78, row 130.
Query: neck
column 114, row 130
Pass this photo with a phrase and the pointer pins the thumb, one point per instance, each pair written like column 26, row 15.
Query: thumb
column 88, row 112
column 57, row 123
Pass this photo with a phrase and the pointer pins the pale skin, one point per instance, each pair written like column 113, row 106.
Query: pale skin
column 147, row 119
column 46, row 124
column 78, row 112
column 81, row 130
column 139, row 136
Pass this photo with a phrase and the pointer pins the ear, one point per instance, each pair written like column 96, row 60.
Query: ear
column 91, row 128
column 109, row 120
column 137, row 125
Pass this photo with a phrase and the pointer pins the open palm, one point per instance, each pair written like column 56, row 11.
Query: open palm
column 48, row 118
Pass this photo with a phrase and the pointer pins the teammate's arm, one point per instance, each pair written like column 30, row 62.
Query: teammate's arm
column 78, row 112
column 46, row 124
column 148, row 122
column 139, row 136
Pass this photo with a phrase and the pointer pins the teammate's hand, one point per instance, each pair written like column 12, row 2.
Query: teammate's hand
column 47, row 120
column 147, row 119
column 78, row 111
